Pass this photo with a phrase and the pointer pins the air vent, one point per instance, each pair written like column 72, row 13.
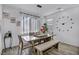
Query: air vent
column 39, row 6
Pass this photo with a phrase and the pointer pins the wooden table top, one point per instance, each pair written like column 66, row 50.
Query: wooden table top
column 31, row 38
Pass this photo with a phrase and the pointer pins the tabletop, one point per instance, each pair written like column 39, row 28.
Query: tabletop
column 30, row 38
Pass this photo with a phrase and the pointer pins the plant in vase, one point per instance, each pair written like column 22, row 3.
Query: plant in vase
column 44, row 28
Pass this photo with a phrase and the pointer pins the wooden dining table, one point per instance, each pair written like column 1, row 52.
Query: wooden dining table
column 36, row 40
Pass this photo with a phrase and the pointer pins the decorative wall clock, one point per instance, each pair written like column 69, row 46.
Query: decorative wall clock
column 64, row 23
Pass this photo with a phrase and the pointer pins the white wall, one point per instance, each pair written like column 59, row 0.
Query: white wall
column 8, row 26
column 70, row 37
column 0, row 28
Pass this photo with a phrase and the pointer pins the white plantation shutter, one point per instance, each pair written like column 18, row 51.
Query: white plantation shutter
column 30, row 24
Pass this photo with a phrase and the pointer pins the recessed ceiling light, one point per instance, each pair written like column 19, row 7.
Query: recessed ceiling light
column 39, row 6
column 60, row 9
column 50, row 20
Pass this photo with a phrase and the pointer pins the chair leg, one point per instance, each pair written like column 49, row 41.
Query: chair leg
column 20, row 49
column 4, row 45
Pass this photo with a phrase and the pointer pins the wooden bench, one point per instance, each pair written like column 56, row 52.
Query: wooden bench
column 42, row 47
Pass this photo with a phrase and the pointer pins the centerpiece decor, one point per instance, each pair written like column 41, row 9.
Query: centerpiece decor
column 44, row 28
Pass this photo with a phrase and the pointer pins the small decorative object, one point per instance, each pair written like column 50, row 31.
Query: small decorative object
column 71, row 27
column 72, row 23
column 63, row 23
column 45, row 24
column 13, row 20
column 44, row 28
column 71, row 19
column 18, row 23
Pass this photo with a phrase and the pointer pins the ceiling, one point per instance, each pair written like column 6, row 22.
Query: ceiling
column 45, row 10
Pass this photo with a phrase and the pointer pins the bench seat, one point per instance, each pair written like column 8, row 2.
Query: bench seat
column 46, row 45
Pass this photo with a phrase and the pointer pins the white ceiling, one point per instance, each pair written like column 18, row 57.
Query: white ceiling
column 45, row 10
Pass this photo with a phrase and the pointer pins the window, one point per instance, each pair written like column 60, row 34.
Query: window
column 30, row 24
column 35, row 25
column 25, row 24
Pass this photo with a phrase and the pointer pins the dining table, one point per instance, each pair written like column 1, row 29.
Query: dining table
column 36, row 39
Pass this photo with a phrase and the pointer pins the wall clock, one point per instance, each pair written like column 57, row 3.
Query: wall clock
column 64, row 23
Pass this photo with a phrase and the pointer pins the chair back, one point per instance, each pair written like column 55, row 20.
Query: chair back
column 20, row 39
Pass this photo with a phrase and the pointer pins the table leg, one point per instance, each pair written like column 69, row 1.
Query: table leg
column 20, row 48
column 39, row 52
column 33, row 46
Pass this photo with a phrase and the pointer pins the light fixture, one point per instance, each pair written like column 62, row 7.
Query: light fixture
column 60, row 9
column 50, row 20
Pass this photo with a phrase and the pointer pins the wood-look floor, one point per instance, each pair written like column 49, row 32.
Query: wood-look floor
column 28, row 51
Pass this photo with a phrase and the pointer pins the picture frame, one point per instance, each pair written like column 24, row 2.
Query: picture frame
column 13, row 20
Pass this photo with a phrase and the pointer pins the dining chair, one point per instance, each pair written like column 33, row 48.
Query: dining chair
column 23, row 45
